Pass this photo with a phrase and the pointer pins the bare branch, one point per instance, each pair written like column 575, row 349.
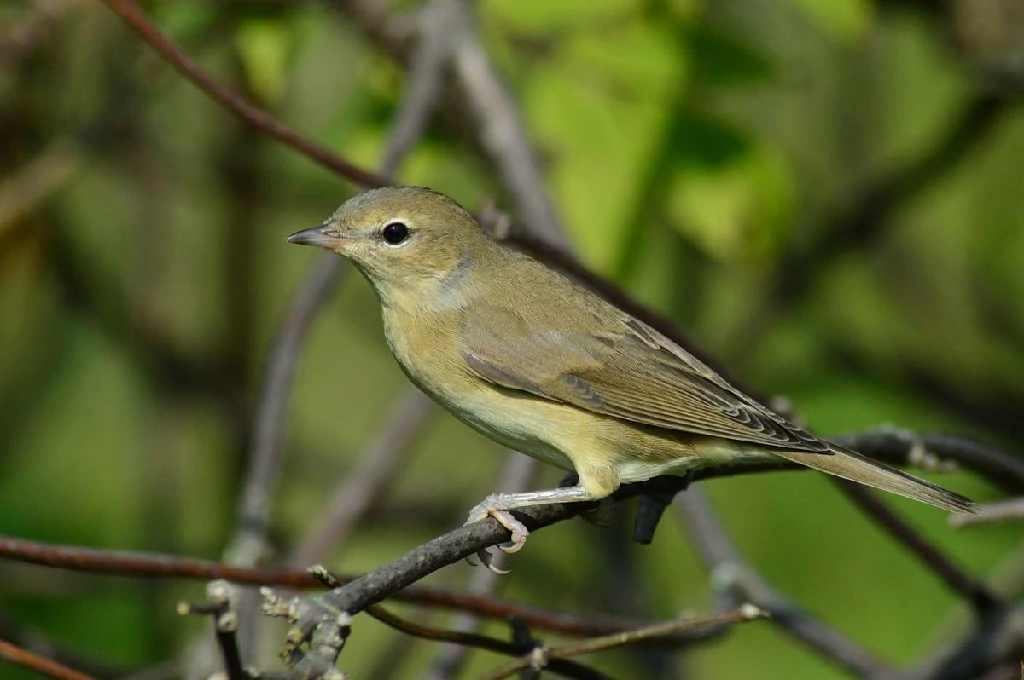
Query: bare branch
column 466, row 640
column 515, row 476
column 40, row 664
column 991, row 513
column 358, row 490
column 225, row 625
column 955, row 579
column 501, row 130
column 153, row 565
column 541, row 658
column 269, row 418
column 252, row 115
column 736, row 582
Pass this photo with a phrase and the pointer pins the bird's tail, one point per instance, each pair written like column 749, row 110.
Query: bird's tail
column 857, row 468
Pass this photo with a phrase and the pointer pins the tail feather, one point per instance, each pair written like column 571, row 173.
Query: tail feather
column 857, row 468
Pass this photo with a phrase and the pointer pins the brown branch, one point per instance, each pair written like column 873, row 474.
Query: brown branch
column 736, row 582
column 40, row 664
column 955, row 579
column 313, row 617
column 542, row 658
column 35, row 640
column 152, row 565
column 467, row 639
column 252, row 115
column 516, row 475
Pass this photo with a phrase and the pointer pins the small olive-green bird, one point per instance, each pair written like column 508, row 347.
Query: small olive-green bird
column 543, row 365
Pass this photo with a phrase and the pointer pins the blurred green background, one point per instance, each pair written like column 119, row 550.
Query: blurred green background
column 825, row 194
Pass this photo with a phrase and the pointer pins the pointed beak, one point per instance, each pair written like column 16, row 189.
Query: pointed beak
column 322, row 235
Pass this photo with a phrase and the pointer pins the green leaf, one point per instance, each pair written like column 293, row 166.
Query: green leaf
column 263, row 47
column 842, row 19
column 738, row 207
column 721, row 60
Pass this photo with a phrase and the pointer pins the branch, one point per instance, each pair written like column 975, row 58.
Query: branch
column 737, row 582
column 873, row 208
column 465, row 640
column 542, row 658
column 955, row 579
column 152, row 565
column 356, row 492
column 264, row 462
column 39, row 664
column 225, row 624
column 991, row 513
column 516, row 475
column 252, row 115
column 314, row 618
column 36, row 641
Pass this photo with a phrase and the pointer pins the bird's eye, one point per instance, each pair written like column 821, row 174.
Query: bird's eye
column 395, row 233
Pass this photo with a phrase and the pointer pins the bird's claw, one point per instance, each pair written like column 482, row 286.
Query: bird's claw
column 515, row 527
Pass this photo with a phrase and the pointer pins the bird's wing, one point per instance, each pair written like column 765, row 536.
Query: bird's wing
column 633, row 373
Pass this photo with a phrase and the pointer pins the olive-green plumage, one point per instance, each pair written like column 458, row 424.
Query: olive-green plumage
column 543, row 365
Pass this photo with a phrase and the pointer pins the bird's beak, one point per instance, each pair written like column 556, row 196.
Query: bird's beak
column 323, row 235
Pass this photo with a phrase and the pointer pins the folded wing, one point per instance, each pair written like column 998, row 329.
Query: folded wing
column 631, row 372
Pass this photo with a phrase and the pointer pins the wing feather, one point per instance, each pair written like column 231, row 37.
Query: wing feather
column 633, row 373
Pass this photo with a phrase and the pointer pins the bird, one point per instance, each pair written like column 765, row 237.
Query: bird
column 544, row 365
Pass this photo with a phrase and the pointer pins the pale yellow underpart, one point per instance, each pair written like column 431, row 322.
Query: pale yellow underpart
column 605, row 451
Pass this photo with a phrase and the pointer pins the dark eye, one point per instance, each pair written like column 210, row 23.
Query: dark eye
column 395, row 233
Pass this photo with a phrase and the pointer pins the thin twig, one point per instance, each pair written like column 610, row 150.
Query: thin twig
column 358, row 490
column 37, row 180
column 466, row 640
column 40, row 664
column 501, row 131
column 542, row 658
column 269, row 417
column 872, row 209
column 955, row 579
column 151, row 565
column 515, row 476
column 735, row 581
column 426, row 68
column 225, row 625
column 269, row 420
column 991, row 513
column 36, row 640
column 252, row 115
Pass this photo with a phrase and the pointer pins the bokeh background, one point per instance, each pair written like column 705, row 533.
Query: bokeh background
column 826, row 195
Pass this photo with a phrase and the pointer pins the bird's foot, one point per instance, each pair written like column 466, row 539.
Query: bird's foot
column 492, row 507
